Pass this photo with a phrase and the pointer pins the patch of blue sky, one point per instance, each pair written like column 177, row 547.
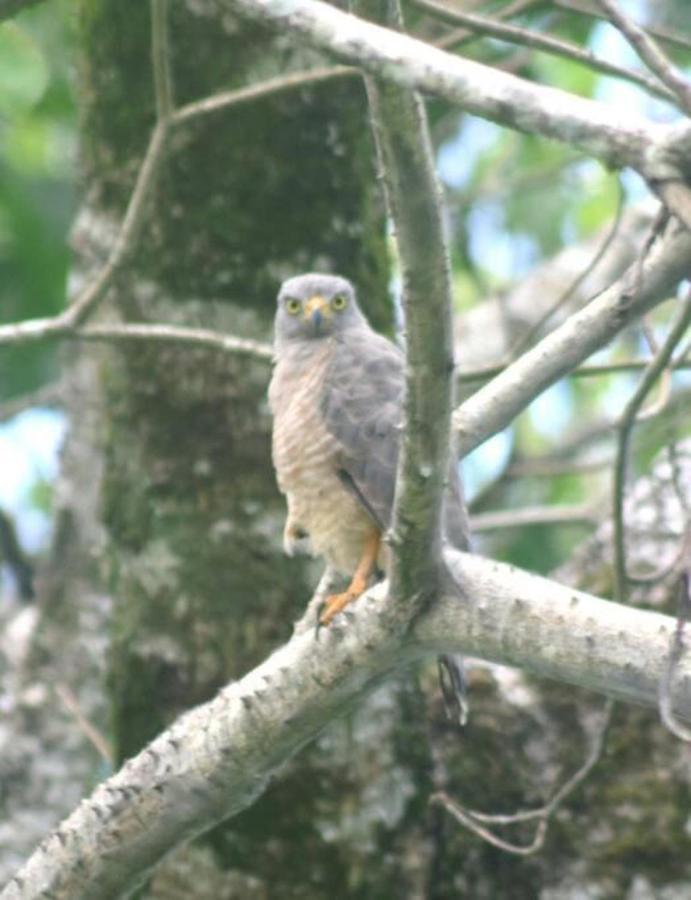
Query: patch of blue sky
column 551, row 411
column 486, row 463
column 457, row 157
column 29, row 451
column 504, row 255
column 608, row 43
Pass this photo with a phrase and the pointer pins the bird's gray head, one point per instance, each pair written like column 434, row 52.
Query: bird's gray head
column 315, row 306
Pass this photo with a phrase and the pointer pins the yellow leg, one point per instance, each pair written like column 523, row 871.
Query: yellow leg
column 368, row 561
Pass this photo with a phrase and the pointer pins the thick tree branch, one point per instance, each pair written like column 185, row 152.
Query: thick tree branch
column 406, row 159
column 601, row 130
column 495, row 405
column 218, row 758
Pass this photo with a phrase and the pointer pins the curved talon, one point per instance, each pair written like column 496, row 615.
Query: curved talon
column 318, row 624
column 335, row 603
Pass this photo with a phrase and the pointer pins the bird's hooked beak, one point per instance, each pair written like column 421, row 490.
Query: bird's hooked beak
column 316, row 310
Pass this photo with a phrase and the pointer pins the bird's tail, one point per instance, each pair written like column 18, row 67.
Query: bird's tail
column 454, row 687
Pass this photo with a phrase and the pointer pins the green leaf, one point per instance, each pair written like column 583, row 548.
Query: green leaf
column 23, row 70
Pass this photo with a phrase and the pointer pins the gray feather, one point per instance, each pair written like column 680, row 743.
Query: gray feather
column 362, row 405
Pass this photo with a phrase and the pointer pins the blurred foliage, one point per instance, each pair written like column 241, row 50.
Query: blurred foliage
column 37, row 141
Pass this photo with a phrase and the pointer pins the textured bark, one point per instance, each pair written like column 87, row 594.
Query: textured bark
column 613, row 134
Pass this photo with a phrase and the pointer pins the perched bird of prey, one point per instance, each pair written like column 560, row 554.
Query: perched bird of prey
column 337, row 399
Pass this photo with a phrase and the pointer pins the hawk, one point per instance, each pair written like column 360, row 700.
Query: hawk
column 336, row 395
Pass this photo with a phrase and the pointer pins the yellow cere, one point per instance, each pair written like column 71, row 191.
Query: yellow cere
column 316, row 302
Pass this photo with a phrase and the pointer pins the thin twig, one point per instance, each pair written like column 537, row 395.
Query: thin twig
column 650, row 53
column 85, row 303
column 95, row 737
column 626, row 425
column 534, row 515
column 527, row 339
column 664, row 571
column 497, row 403
column 593, row 370
column 514, row 34
column 549, row 466
column 676, row 651
column 462, row 36
column 656, row 31
column 160, row 60
column 475, row 821
column 218, row 102
column 194, row 337
column 54, row 329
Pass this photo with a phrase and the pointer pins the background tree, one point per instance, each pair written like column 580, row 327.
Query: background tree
column 166, row 501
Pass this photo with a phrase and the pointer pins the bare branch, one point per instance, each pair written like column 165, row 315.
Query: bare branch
column 496, row 404
column 601, row 130
column 650, row 53
column 160, row 60
column 465, row 35
column 626, row 424
column 475, row 821
column 218, row 102
column 514, row 34
column 216, row 759
column 506, row 316
column 54, row 329
column 534, row 515
column 84, row 304
column 527, row 339
column 662, row 34
column 193, row 337
column 71, row 703
column 586, row 371
column 399, row 123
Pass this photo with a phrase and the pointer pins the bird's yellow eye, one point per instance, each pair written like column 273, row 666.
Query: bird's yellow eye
column 339, row 302
column 293, row 305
